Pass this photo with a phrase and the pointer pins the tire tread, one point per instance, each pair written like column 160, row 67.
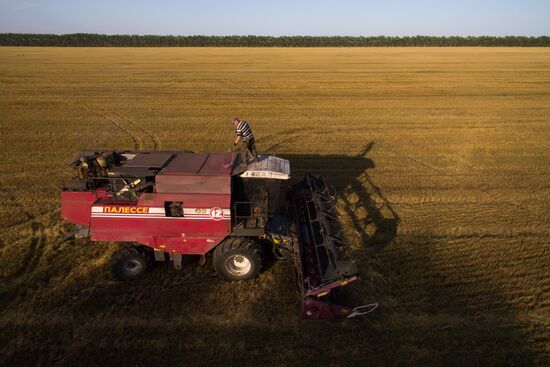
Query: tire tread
column 233, row 244
column 132, row 250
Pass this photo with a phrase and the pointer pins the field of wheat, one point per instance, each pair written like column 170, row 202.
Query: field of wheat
column 441, row 158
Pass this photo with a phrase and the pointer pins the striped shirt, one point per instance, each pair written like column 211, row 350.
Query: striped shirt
column 244, row 131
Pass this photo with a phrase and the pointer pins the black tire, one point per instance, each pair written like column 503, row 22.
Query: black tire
column 129, row 263
column 238, row 259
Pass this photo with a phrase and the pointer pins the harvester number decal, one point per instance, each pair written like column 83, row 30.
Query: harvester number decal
column 216, row 213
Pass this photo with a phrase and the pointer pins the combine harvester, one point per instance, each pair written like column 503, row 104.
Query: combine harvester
column 165, row 205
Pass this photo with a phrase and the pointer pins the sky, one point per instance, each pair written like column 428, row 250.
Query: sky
column 278, row 17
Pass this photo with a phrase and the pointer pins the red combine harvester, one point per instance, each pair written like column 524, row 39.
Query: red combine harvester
column 165, row 205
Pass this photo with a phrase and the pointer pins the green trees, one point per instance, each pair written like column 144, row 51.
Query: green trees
column 102, row 40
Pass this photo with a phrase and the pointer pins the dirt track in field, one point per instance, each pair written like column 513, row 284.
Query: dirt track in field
column 440, row 157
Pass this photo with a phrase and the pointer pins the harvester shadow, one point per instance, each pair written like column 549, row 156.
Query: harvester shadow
column 371, row 214
column 409, row 284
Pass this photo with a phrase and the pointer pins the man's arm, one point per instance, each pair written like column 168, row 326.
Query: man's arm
column 238, row 133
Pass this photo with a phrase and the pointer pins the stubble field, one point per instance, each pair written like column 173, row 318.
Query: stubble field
column 440, row 157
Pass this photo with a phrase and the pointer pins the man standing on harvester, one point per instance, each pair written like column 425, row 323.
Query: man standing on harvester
column 244, row 136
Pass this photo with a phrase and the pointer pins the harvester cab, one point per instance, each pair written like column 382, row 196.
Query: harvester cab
column 165, row 205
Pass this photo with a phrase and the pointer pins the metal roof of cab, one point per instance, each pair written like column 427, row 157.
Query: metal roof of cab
column 202, row 164
column 268, row 167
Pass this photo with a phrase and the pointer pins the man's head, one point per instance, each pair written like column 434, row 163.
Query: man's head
column 236, row 120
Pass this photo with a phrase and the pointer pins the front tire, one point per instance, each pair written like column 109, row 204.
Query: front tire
column 238, row 259
column 129, row 263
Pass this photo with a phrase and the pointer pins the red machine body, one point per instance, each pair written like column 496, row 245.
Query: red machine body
column 201, row 183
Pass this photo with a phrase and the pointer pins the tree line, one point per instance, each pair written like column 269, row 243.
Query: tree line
column 102, row 40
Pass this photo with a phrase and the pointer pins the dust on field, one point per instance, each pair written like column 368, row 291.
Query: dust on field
column 440, row 157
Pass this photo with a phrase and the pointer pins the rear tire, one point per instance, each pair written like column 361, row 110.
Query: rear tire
column 238, row 259
column 129, row 263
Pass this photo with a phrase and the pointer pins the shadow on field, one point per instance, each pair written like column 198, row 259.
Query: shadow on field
column 372, row 215
column 435, row 314
column 423, row 318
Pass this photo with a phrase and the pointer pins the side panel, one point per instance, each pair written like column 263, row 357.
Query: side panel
column 76, row 206
column 205, row 222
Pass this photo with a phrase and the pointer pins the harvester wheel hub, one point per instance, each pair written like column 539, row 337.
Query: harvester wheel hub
column 238, row 265
column 133, row 267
